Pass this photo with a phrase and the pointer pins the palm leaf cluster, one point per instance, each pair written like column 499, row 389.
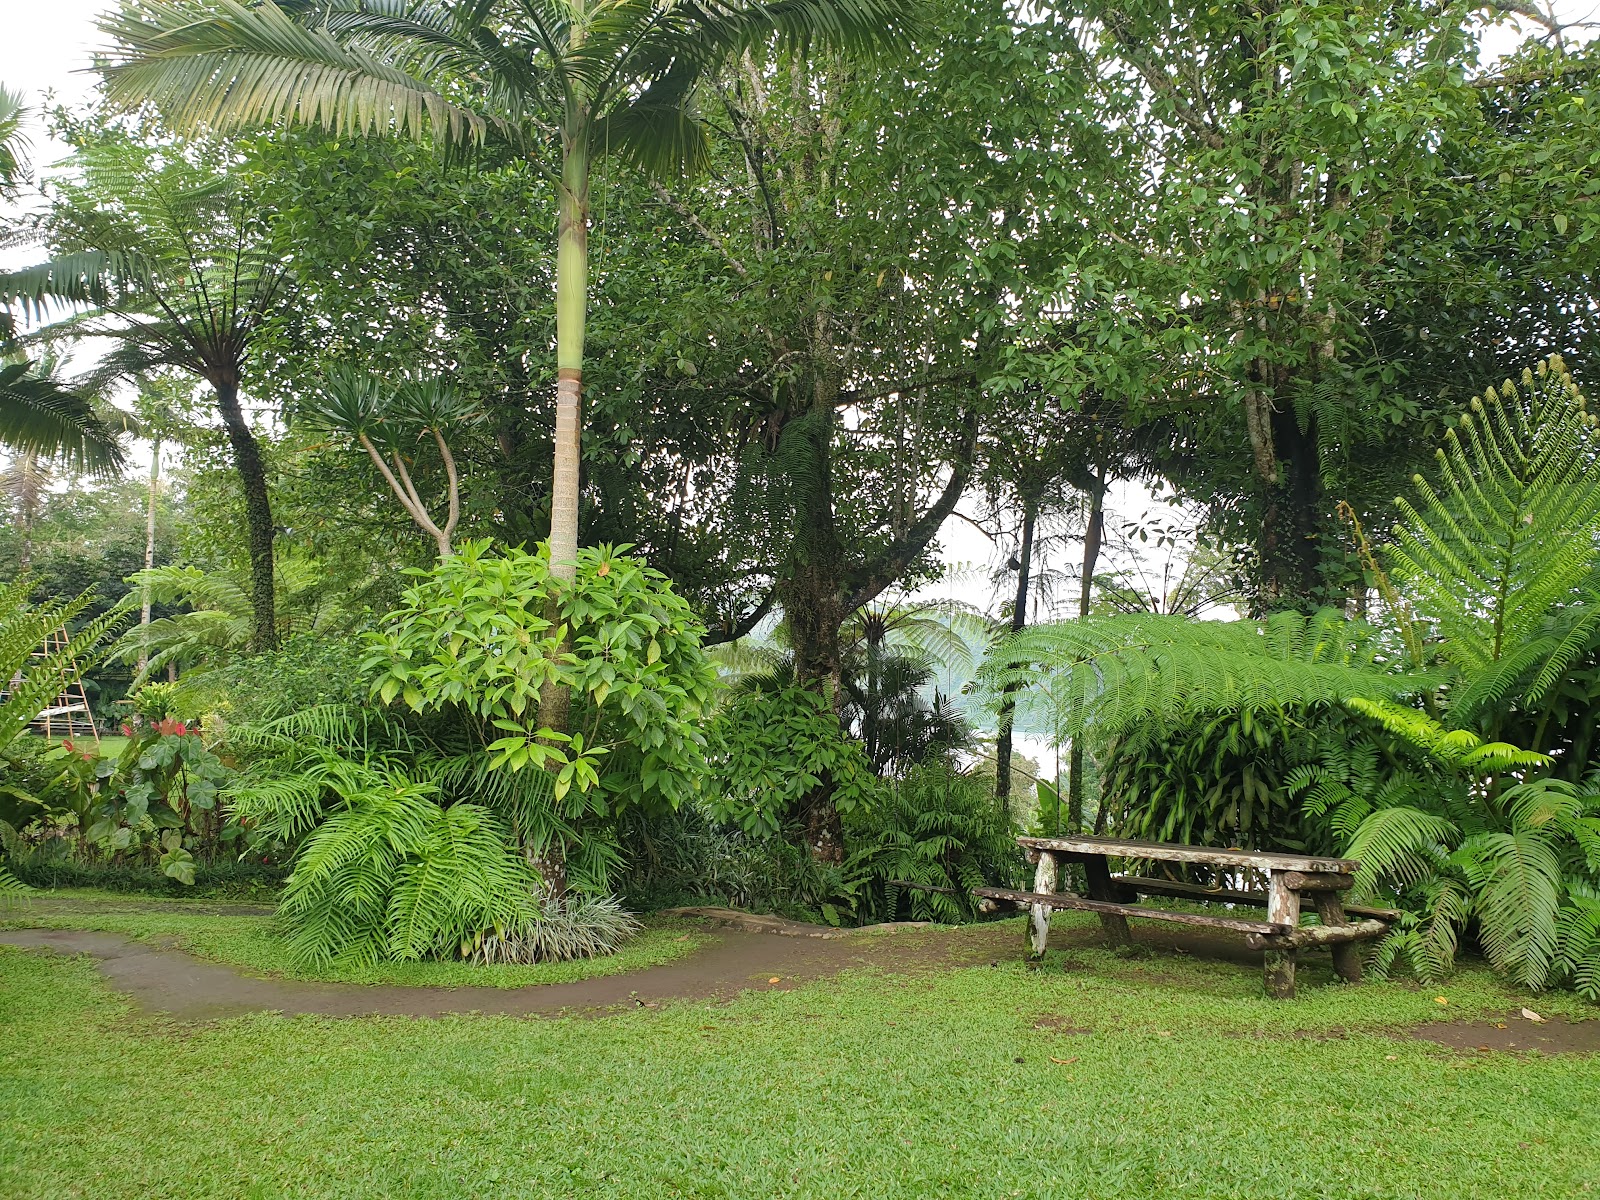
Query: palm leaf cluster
column 1107, row 676
column 1499, row 551
column 407, row 845
column 44, row 417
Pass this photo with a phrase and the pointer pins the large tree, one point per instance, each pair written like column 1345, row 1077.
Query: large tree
column 1297, row 188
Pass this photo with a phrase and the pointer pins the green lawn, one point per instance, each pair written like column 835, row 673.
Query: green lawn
column 1187, row 1083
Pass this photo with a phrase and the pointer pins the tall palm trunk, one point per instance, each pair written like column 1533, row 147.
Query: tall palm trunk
column 257, row 512
column 572, row 303
column 149, row 556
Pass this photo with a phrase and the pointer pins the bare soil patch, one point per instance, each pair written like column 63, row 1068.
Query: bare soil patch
column 1516, row 1035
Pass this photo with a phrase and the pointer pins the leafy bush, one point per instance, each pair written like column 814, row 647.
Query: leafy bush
column 937, row 827
column 690, row 857
column 769, row 747
column 567, row 927
column 416, row 831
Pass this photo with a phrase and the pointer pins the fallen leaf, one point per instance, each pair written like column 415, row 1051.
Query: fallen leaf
column 1062, row 1062
column 682, row 937
column 774, row 979
column 1529, row 1015
column 1163, row 1033
column 1390, row 1057
column 1485, row 1049
column 1440, row 1000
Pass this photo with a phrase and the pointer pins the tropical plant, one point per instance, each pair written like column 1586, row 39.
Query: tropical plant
column 769, row 745
column 484, row 631
column 407, row 844
column 942, row 831
column 33, row 673
column 42, row 417
column 388, row 421
column 218, row 625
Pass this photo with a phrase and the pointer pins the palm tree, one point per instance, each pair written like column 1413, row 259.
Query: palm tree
column 163, row 252
column 566, row 81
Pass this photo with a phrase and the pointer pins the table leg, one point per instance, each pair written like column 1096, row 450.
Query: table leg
column 1098, row 874
column 1346, row 957
column 1283, row 908
column 1044, row 882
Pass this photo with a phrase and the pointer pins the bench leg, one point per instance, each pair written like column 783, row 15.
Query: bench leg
column 1044, row 882
column 1098, row 875
column 1278, row 973
column 1283, row 908
column 1346, row 957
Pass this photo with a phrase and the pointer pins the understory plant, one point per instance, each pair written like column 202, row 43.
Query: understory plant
column 34, row 672
column 939, row 829
column 448, row 821
column 1468, row 788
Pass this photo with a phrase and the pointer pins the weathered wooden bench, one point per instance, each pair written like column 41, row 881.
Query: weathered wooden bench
column 1291, row 878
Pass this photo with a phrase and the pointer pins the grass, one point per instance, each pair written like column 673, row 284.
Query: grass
column 251, row 943
column 1186, row 1083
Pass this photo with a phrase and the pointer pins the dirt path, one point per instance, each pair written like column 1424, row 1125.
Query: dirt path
column 171, row 982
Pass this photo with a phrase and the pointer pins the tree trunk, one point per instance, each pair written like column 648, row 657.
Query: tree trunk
column 1092, row 536
column 257, row 512
column 1292, row 526
column 572, row 299
column 813, row 605
column 1019, row 620
column 149, row 557
column 30, row 481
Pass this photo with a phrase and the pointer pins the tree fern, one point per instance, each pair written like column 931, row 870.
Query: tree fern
column 1498, row 553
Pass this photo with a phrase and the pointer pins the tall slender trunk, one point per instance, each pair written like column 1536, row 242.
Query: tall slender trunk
column 257, row 512
column 1019, row 620
column 572, row 298
column 149, row 557
column 1093, row 534
column 572, row 306
column 28, row 474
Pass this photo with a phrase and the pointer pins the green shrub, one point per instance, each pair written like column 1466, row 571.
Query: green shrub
column 418, row 829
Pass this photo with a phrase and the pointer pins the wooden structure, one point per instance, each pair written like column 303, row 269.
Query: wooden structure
column 67, row 715
column 1292, row 879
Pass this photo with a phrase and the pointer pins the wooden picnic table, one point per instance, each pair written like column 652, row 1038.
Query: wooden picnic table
column 1291, row 878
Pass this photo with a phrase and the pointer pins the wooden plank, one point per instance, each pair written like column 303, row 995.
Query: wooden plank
column 1318, row 935
column 1177, row 888
column 1318, row 881
column 1078, row 903
column 1171, row 852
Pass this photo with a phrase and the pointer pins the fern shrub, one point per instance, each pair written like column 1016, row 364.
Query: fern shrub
column 938, row 827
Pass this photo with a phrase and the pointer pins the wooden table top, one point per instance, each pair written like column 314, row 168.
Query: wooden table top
column 1261, row 860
